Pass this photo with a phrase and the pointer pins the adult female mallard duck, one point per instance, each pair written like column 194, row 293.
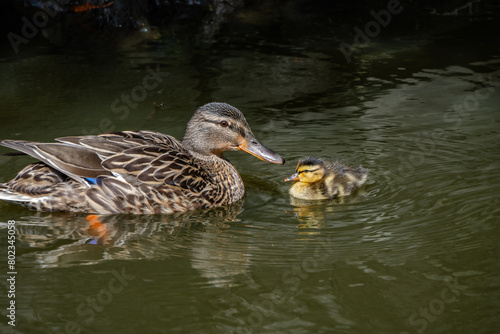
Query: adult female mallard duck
column 317, row 179
column 139, row 172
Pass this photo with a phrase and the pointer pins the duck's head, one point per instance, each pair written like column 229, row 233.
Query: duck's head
column 309, row 170
column 219, row 127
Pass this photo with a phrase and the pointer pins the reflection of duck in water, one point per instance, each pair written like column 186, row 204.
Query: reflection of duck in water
column 203, row 237
column 58, row 238
column 140, row 172
column 317, row 179
column 98, row 230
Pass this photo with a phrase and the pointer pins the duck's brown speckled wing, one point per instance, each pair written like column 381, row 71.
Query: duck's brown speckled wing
column 154, row 174
column 72, row 160
column 108, row 144
column 131, row 172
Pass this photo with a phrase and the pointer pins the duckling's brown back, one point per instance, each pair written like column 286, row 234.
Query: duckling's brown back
column 349, row 179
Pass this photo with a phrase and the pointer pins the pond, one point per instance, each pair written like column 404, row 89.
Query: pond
column 415, row 251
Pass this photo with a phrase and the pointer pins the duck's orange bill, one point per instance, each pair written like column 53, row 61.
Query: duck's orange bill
column 293, row 177
column 255, row 148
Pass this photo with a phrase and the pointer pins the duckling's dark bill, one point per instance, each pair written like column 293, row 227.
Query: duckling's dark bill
column 293, row 177
column 255, row 148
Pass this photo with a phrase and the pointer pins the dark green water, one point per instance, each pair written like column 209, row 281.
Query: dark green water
column 415, row 252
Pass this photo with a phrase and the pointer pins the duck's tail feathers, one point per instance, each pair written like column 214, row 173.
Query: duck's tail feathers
column 75, row 161
column 33, row 183
column 13, row 197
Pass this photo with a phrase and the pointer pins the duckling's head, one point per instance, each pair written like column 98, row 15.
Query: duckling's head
column 309, row 170
column 219, row 127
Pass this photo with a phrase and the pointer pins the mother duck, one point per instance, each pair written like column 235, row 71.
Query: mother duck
column 139, row 172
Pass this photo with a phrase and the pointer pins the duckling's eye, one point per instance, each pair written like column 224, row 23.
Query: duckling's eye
column 224, row 124
column 308, row 170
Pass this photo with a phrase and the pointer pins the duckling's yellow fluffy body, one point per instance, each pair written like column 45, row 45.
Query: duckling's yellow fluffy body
column 317, row 179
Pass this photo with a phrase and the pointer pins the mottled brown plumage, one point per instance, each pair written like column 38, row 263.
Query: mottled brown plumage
column 139, row 172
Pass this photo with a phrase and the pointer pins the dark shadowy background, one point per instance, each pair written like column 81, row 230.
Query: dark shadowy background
column 90, row 23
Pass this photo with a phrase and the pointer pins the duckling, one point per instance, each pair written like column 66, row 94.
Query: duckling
column 139, row 172
column 317, row 179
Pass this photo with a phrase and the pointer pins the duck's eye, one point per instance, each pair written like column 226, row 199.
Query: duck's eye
column 224, row 124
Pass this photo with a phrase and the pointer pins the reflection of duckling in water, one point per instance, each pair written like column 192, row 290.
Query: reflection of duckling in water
column 319, row 179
